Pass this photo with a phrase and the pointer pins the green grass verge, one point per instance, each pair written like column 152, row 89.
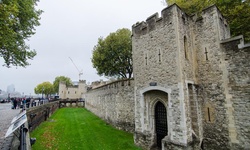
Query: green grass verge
column 79, row 129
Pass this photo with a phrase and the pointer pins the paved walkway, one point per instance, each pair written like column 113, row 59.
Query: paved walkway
column 6, row 116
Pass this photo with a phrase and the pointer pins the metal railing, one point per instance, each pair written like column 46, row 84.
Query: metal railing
column 23, row 138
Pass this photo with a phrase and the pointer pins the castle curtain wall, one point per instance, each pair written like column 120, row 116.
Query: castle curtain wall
column 114, row 103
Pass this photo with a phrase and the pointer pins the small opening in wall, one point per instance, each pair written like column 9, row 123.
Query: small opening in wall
column 183, row 18
column 185, row 48
column 208, row 114
column 206, row 54
column 159, row 54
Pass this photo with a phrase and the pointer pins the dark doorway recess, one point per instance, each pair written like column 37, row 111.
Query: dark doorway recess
column 161, row 126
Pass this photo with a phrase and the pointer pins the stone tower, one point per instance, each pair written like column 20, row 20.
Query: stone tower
column 62, row 90
column 182, row 90
column 73, row 92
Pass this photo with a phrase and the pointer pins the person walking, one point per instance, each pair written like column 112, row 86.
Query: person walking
column 24, row 103
column 15, row 103
column 18, row 103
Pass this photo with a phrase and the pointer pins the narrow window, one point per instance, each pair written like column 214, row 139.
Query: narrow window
column 68, row 92
column 146, row 59
column 206, row 54
column 75, row 92
column 159, row 54
column 208, row 114
column 185, row 48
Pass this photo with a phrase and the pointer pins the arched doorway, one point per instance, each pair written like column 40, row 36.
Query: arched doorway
column 161, row 126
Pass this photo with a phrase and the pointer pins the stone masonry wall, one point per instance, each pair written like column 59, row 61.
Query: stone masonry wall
column 209, row 73
column 186, row 62
column 237, row 67
column 114, row 103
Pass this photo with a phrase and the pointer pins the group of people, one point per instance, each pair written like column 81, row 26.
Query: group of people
column 20, row 102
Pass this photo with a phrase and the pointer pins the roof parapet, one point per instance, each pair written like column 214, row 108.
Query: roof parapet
column 150, row 24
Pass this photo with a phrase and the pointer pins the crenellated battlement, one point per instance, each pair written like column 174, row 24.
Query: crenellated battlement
column 171, row 15
column 112, row 85
column 82, row 81
column 153, row 21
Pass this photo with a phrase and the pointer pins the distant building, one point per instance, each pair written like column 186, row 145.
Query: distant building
column 72, row 92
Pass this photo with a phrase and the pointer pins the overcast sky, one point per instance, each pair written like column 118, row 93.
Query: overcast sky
column 70, row 28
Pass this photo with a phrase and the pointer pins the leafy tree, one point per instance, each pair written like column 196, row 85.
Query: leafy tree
column 237, row 12
column 112, row 56
column 59, row 79
column 18, row 19
column 45, row 88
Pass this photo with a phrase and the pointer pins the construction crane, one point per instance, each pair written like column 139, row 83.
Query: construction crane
column 80, row 72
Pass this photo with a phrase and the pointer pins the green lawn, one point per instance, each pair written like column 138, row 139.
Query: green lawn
column 79, row 129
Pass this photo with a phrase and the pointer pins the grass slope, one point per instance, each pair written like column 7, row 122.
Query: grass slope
column 79, row 129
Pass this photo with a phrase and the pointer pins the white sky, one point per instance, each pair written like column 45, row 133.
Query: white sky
column 70, row 28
